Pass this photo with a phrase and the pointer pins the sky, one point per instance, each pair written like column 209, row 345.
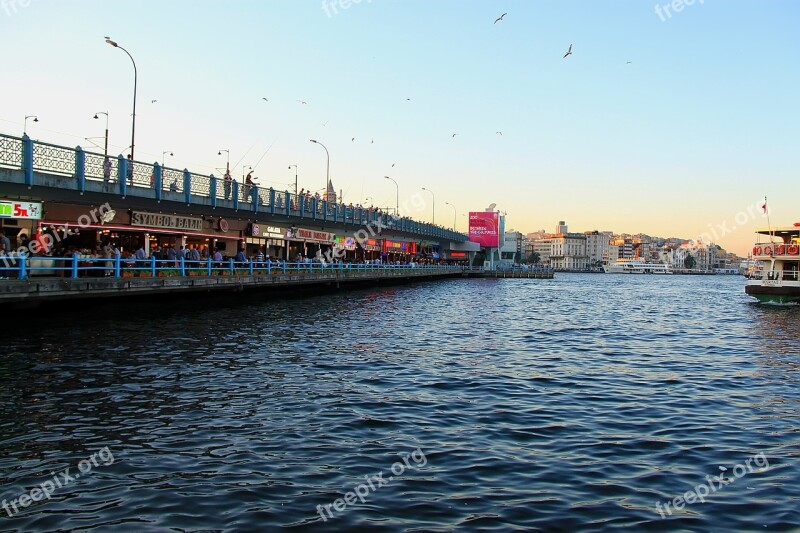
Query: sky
column 686, row 139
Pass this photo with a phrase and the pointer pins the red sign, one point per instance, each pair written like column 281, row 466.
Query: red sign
column 458, row 254
column 484, row 228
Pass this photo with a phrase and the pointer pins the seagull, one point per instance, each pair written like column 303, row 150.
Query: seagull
column 264, row 98
column 393, row 165
column 408, row 99
column 372, row 141
column 500, row 133
column 153, row 101
column 628, row 62
column 500, row 18
column 569, row 52
column 455, row 135
column 353, row 139
column 325, row 123
column 302, row 102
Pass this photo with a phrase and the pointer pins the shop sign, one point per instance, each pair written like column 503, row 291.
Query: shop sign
column 157, row 220
column 371, row 245
column 302, row 234
column 345, row 243
column 27, row 210
column 223, row 225
column 266, row 232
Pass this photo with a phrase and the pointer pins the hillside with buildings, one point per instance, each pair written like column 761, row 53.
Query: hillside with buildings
column 587, row 251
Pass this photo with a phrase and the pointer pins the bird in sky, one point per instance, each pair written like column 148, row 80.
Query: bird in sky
column 153, row 101
column 264, row 98
column 393, row 165
column 353, row 139
column 500, row 18
column 500, row 133
column 325, row 123
column 408, row 99
column 569, row 52
column 455, row 135
column 628, row 62
column 372, row 141
column 302, row 102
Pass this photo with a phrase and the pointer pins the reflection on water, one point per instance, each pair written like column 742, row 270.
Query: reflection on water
column 576, row 403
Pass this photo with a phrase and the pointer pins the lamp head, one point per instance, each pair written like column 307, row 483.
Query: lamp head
column 112, row 43
column 36, row 119
column 313, row 141
column 95, row 116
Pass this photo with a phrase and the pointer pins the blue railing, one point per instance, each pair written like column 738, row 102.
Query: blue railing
column 123, row 177
column 23, row 267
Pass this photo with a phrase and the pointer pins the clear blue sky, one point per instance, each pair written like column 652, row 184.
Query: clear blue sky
column 699, row 126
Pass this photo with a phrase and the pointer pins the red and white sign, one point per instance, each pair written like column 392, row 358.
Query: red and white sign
column 21, row 210
column 484, row 228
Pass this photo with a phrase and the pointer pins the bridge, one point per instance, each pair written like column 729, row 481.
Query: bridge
column 41, row 171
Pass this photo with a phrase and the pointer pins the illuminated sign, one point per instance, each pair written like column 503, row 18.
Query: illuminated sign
column 311, row 235
column 484, row 228
column 14, row 209
column 458, row 254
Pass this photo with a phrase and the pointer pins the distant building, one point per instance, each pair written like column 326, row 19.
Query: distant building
column 330, row 194
column 561, row 229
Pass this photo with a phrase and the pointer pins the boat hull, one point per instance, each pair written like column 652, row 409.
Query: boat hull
column 774, row 295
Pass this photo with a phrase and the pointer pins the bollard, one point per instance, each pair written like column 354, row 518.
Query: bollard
column 183, row 267
column 23, row 259
column 74, row 265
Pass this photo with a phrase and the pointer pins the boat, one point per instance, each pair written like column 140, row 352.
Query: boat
column 636, row 267
column 778, row 279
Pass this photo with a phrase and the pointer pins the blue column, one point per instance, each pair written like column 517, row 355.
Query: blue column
column 325, row 210
column 314, row 204
column 212, row 190
column 272, row 201
column 27, row 159
column 360, row 215
column 235, row 190
column 250, row 262
column 208, row 265
column 231, row 268
column 183, row 267
column 117, row 261
column 335, row 212
column 302, row 201
column 288, row 203
column 254, row 197
column 80, row 168
column 187, row 186
column 74, row 273
column 153, row 266
column 122, row 175
column 158, row 179
column 23, row 270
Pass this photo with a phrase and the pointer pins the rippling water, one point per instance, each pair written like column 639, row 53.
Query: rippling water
column 571, row 404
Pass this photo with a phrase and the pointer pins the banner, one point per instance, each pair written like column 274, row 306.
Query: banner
column 484, row 228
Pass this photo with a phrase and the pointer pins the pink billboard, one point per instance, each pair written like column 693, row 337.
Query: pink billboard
column 484, row 228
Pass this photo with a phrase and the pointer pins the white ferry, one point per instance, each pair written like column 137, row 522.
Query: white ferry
column 778, row 281
column 636, row 267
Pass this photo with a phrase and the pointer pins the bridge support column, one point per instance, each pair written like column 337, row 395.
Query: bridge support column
column 80, row 168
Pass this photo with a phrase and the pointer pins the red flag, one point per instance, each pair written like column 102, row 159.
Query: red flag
column 764, row 206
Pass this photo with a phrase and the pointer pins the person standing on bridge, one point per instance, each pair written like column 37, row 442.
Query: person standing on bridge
column 107, row 169
column 226, row 184
column 130, row 170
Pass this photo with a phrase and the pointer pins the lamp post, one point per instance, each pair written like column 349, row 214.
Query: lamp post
column 328, row 171
column 25, row 125
column 105, row 149
column 397, row 199
column 228, row 163
column 135, row 79
column 163, row 154
column 295, row 178
column 455, row 215
column 433, row 205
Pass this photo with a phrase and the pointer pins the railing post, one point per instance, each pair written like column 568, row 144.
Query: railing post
column 187, row 186
column 288, row 203
column 27, row 159
column 74, row 273
column 231, row 266
column 122, row 175
column 212, row 190
column 153, row 266
column 254, row 197
column 335, row 212
column 183, row 267
column 235, row 194
column 272, row 201
column 208, row 265
column 284, row 268
column 23, row 271
column 158, row 173
column 302, row 201
column 117, row 265
column 80, row 168
column 269, row 268
column 250, row 262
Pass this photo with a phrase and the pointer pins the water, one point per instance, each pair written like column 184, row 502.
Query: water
column 571, row 404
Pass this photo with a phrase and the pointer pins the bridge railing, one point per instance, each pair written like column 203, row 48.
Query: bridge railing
column 34, row 156
column 22, row 267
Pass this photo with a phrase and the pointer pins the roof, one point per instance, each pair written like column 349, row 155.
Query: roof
column 785, row 231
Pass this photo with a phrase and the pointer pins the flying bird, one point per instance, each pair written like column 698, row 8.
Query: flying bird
column 500, row 18
column 455, row 134
column 153, row 101
column 372, row 141
column 302, row 102
column 325, row 123
column 569, row 52
column 353, row 139
column 628, row 62
column 500, row 133
column 393, row 165
column 264, row 98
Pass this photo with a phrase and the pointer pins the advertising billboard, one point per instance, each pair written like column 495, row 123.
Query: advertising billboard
column 484, row 228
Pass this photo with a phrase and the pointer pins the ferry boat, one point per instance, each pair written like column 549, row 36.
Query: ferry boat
column 636, row 267
column 778, row 281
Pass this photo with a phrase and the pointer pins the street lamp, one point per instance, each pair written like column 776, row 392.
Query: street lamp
column 433, row 205
column 397, row 199
column 105, row 150
column 295, row 178
column 163, row 154
column 455, row 215
column 328, row 172
column 228, row 164
column 135, row 79
column 25, row 126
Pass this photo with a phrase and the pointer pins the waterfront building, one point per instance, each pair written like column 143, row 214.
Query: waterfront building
column 568, row 252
